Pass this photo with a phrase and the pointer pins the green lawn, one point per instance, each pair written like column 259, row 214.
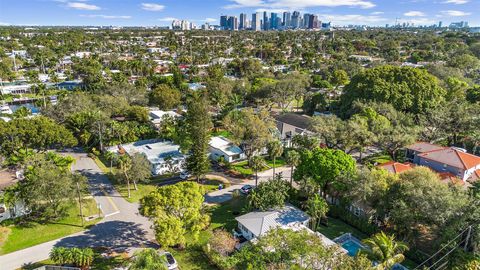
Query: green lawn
column 337, row 227
column 242, row 166
column 32, row 233
column 222, row 133
column 212, row 184
column 135, row 195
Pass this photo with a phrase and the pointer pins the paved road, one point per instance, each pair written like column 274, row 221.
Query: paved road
column 224, row 195
column 122, row 227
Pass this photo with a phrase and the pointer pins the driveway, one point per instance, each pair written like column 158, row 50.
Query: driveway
column 224, row 195
column 122, row 227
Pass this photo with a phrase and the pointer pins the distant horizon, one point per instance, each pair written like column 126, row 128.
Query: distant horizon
column 158, row 13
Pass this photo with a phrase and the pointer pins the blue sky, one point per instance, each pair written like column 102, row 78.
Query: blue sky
column 162, row 12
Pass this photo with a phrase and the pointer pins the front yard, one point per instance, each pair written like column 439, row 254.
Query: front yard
column 28, row 233
column 243, row 168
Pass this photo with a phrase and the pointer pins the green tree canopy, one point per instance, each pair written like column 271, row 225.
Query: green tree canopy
column 407, row 89
column 176, row 210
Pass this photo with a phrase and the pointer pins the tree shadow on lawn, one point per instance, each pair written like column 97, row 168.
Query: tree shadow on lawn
column 115, row 235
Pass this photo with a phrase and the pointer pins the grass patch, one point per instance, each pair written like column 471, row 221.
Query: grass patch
column 243, row 168
column 135, row 195
column 337, row 227
column 34, row 233
column 4, row 232
column 222, row 133
column 212, row 184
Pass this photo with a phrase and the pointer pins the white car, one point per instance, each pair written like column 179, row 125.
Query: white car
column 171, row 262
column 185, row 175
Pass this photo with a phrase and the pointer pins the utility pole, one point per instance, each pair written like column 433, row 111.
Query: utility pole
column 80, row 202
column 469, row 233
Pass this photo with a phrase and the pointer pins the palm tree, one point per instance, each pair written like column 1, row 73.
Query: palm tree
column 385, row 250
column 275, row 149
column 125, row 164
column 148, row 259
column 317, row 208
column 293, row 159
column 58, row 255
column 257, row 163
column 110, row 156
column 83, row 257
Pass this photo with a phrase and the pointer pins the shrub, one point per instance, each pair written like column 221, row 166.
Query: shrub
column 362, row 224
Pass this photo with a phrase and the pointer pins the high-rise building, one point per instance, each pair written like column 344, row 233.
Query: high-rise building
column 256, row 21
column 265, row 21
column 295, row 20
column 313, row 22
column 232, row 23
column 286, row 19
column 273, row 20
column 243, row 21
column 440, row 24
column 306, row 20
column 224, row 22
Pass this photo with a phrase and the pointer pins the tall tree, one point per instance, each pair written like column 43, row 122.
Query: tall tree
column 165, row 97
column 257, row 163
column 176, row 210
column 317, row 208
column 293, row 159
column 275, row 150
column 269, row 194
column 199, row 125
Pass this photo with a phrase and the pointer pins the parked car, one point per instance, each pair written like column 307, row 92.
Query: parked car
column 171, row 262
column 185, row 175
column 246, row 189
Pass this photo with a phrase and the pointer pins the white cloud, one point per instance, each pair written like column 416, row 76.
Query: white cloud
column 353, row 19
column 455, row 13
column 167, row 19
column 414, row 14
column 299, row 4
column 107, row 16
column 421, row 21
column 4, row 23
column 210, row 20
column 456, row 2
column 377, row 13
column 152, row 7
column 82, row 6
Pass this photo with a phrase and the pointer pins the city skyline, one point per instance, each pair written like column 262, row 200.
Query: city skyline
column 162, row 13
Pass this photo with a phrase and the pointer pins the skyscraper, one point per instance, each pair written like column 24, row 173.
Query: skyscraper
column 256, row 21
column 224, row 22
column 265, row 21
column 306, row 20
column 273, row 20
column 286, row 19
column 243, row 21
column 232, row 23
column 295, row 20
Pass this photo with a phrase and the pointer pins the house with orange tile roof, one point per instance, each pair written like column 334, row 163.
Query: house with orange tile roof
column 396, row 167
column 455, row 161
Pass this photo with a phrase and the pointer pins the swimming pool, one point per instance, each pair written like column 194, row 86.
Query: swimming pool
column 352, row 247
column 349, row 243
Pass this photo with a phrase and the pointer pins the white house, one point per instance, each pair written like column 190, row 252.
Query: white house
column 255, row 224
column 157, row 116
column 221, row 147
column 7, row 179
column 164, row 156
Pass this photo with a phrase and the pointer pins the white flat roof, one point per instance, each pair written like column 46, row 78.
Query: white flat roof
column 155, row 151
column 225, row 145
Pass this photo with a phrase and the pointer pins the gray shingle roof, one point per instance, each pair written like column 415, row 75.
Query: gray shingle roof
column 260, row 222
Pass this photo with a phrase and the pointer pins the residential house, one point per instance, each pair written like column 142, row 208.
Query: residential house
column 7, row 179
column 164, row 156
column 255, row 224
column 157, row 116
column 221, row 147
column 291, row 124
column 449, row 161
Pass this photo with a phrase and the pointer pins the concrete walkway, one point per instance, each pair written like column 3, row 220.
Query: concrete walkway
column 224, row 195
column 121, row 229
